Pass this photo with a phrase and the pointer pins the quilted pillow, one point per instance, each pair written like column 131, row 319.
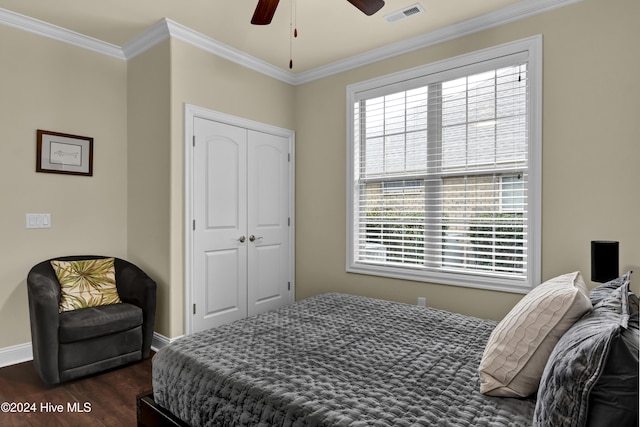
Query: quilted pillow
column 604, row 290
column 518, row 348
column 86, row 283
column 603, row 342
column 614, row 399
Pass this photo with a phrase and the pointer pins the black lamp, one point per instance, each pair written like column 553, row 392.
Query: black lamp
column 604, row 260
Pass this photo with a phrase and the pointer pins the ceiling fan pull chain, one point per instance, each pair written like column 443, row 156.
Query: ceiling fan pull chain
column 265, row 10
column 293, row 27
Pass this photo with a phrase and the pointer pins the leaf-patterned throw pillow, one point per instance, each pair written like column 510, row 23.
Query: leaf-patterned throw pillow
column 86, row 283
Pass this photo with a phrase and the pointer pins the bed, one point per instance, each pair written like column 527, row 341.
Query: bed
column 332, row 360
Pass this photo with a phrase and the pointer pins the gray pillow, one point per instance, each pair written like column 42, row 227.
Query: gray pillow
column 613, row 401
column 604, row 290
column 580, row 357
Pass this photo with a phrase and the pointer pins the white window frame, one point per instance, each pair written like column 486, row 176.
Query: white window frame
column 529, row 48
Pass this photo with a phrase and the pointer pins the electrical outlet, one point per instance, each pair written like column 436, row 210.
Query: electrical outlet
column 422, row 302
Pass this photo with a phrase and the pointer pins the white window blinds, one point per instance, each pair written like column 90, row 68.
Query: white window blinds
column 441, row 174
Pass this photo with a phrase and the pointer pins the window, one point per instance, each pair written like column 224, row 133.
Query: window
column 444, row 171
column 512, row 197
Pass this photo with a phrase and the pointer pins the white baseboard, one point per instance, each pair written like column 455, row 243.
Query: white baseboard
column 15, row 354
column 160, row 341
column 23, row 353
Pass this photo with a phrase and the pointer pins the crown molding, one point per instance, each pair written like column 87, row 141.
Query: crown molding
column 487, row 21
column 166, row 28
column 158, row 33
column 206, row 43
column 51, row 31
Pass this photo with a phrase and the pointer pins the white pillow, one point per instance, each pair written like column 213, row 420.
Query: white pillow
column 520, row 345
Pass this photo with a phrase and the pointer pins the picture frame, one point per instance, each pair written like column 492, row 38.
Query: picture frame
column 64, row 153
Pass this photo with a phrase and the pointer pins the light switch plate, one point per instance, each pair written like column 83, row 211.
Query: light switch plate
column 38, row 220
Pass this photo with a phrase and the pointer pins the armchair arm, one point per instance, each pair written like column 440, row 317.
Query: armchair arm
column 135, row 287
column 43, row 291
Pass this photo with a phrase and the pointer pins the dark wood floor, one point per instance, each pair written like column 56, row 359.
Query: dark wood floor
column 107, row 399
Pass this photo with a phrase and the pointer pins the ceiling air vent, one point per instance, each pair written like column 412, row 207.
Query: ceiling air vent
column 405, row 13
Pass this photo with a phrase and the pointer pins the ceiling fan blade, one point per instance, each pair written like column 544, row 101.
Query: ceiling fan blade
column 368, row 7
column 264, row 12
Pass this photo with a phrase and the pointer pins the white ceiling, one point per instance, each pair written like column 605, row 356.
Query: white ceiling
column 329, row 31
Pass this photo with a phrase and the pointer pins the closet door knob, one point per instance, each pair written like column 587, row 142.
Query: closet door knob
column 241, row 239
column 254, row 238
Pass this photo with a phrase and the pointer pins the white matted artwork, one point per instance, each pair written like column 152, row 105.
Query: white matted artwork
column 64, row 153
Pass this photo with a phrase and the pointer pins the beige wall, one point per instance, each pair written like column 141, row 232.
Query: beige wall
column 205, row 80
column 160, row 82
column 133, row 205
column 45, row 84
column 149, row 173
column 590, row 155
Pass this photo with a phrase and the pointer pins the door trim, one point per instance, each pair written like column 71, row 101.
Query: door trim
column 192, row 112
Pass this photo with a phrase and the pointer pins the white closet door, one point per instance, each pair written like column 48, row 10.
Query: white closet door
column 220, row 232
column 268, row 222
column 241, row 235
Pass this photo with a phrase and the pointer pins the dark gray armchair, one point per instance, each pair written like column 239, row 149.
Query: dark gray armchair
column 76, row 343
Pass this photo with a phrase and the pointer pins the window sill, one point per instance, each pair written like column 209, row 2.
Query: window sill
column 468, row 280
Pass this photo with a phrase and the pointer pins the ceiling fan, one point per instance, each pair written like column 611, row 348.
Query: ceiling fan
column 267, row 8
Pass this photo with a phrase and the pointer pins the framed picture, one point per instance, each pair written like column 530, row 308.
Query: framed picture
column 64, row 153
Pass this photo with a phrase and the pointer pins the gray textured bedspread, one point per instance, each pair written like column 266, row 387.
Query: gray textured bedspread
column 335, row 360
